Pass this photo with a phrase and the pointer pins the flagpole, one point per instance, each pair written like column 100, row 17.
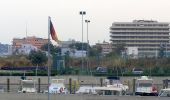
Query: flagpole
column 49, row 19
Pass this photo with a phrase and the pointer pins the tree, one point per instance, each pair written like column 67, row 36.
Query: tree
column 95, row 51
column 120, row 47
column 15, row 60
column 53, row 49
column 67, row 58
column 78, row 46
column 161, row 52
column 38, row 57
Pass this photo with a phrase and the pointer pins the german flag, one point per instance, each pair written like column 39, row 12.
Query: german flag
column 53, row 33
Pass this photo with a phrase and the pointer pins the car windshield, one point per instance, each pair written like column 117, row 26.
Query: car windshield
column 101, row 69
column 145, row 84
column 137, row 69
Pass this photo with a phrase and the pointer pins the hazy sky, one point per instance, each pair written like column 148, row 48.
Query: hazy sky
column 16, row 14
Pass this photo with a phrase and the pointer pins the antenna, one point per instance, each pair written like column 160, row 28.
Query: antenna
column 26, row 30
column 26, row 33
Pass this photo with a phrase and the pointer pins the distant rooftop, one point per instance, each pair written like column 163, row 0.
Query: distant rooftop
column 29, row 37
column 144, row 21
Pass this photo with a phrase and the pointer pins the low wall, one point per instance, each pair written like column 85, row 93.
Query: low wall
column 21, row 96
column 84, row 80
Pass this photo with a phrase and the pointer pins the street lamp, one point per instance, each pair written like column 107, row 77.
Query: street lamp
column 87, row 22
column 82, row 13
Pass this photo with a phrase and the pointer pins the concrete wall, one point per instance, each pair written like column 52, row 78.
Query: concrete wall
column 15, row 96
column 83, row 79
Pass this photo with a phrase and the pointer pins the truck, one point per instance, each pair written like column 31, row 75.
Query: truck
column 28, row 86
column 145, row 87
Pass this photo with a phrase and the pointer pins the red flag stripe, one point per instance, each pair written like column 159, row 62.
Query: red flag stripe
column 53, row 33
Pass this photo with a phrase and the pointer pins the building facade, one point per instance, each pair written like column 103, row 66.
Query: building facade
column 73, row 52
column 5, row 49
column 26, row 49
column 146, row 35
column 66, row 44
column 106, row 47
column 35, row 41
column 132, row 52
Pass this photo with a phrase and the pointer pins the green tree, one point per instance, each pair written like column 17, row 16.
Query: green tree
column 161, row 52
column 95, row 51
column 112, row 54
column 120, row 47
column 67, row 59
column 53, row 49
column 15, row 60
column 78, row 46
column 38, row 57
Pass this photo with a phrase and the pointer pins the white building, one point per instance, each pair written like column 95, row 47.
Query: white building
column 26, row 48
column 147, row 35
column 78, row 53
column 132, row 52
column 72, row 52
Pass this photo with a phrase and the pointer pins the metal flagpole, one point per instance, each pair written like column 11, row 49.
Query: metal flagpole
column 49, row 56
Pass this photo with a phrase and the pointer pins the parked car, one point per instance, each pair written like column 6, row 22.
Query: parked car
column 1, row 89
column 101, row 69
column 137, row 71
column 164, row 92
column 57, row 86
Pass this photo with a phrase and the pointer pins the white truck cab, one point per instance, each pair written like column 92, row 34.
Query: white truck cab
column 145, row 86
column 28, row 86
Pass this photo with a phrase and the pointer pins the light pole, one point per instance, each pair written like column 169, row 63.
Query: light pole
column 166, row 50
column 87, row 22
column 82, row 13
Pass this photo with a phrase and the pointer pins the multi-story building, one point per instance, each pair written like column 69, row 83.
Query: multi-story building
column 146, row 35
column 106, row 47
column 35, row 41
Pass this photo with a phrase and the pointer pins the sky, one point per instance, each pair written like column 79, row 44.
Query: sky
column 18, row 17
